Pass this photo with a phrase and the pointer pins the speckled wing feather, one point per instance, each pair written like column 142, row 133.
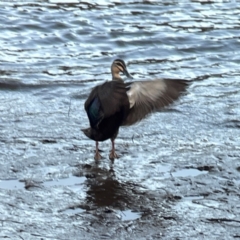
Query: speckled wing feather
column 146, row 97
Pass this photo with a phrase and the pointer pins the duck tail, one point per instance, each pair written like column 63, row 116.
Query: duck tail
column 87, row 132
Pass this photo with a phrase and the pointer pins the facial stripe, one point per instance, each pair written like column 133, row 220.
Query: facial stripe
column 120, row 66
column 121, row 62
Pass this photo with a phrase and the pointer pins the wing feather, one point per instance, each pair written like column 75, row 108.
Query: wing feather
column 146, row 97
column 106, row 100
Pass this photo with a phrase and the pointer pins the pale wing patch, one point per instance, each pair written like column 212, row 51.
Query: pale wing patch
column 142, row 93
column 146, row 97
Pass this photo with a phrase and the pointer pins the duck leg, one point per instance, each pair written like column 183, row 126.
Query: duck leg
column 97, row 156
column 113, row 154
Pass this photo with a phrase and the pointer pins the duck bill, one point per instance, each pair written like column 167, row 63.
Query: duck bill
column 127, row 74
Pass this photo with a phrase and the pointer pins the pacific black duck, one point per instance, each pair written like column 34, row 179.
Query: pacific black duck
column 115, row 103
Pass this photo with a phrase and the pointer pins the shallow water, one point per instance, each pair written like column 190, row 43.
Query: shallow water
column 178, row 169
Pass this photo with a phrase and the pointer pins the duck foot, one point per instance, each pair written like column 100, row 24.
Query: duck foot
column 113, row 155
column 97, row 156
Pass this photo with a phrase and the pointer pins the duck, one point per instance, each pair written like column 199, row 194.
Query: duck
column 116, row 103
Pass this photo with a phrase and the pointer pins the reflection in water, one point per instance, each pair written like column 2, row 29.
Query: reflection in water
column 106, row 190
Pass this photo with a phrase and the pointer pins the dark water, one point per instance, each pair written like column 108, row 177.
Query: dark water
column 53, row 53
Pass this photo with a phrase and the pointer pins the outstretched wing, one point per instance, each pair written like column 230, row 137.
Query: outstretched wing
column 146, row 97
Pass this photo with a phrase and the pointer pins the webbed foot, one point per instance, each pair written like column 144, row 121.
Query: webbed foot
column 113, row 155
column 97, row 156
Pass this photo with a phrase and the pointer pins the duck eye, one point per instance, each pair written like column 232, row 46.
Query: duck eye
column 120, row 67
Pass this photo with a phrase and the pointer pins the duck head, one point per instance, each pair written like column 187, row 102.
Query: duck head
column 119, row 66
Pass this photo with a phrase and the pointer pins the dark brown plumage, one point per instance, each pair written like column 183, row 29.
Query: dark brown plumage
column 115, row 103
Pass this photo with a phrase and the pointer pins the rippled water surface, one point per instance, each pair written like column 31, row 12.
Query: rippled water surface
column 53, row 53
